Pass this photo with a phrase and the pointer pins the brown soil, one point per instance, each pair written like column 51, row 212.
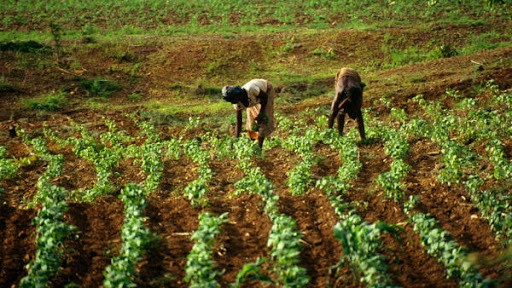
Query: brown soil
column 244, row 238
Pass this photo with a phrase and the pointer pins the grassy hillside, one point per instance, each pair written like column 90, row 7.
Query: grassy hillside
column 80, row 44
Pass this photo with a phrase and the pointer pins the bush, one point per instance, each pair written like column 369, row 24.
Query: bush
column 443, row 51
column 99, row 87
column 50, row 102
column 23, row 46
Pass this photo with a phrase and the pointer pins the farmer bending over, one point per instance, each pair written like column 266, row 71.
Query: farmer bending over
column 257, row 96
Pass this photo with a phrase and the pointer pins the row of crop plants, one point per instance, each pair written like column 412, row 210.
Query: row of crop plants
column 8, row 167
column 52, row 231
column 105, row 154
column 360, row 240
column 486, row 125
column 437, row 242
column 458, row 162
column 135, row 236
column 284, row 237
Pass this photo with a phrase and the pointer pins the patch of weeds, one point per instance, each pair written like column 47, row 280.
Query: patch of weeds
column 56, row 32
column 120, row 54
column 162, row 118
column 301, row 90
column 495, row 4
column 208, row 91
column 24, row 46
column 6, row 86
column 443, row 51
column 49, row 102
column 216, row 66
column 409, row 55
column 75, row 64
column 99, row 87
column 87, row 31
column 289, row 46
column 255, row 66
column 154, row 105
column 133, row 72
column 485, row 41
column 325, row 53
column 134, row 97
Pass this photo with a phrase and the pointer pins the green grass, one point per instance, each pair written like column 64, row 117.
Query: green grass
column 301, row 49
column 50, row 102
column 99, row 87
column 162, row 17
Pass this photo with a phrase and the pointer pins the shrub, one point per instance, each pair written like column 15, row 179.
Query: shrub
column 50, row 102
column 99, row 87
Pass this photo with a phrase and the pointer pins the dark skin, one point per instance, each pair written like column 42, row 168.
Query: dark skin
column 348, row 100
column 12, row 131
column 260, row 119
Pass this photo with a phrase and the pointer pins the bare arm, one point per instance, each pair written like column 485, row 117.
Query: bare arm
column 238, row 127
column 263, row 102
column 360, row 125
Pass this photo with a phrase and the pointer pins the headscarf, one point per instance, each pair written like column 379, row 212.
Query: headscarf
column 231, row 92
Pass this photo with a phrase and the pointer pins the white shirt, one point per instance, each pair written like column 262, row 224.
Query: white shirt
column 253, row 89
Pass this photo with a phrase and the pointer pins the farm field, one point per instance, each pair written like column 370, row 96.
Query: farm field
column 122, row 168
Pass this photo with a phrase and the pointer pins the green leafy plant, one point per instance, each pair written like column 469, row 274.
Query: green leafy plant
column 197, row 189
column 50, row 102
column 52, row 231
column 99, row 87
column 135, row 236
column 284, row 240
column 8, row 167
column 439, row 244
column 200, row 268
column 361, row 244
column 252, row 272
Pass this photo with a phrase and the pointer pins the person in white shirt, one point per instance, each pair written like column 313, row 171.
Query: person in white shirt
column 257, row 97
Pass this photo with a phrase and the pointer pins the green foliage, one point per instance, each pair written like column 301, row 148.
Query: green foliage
column 299, row 178
column 335, row 184
column 181, row 16
column 99, row 87
column 284, row 240
column 461, row 161
column 56, row 31
column 50, row 102
column 200, row 268
column 135, row 236
column 8, row 167
column 455, row 131
column 361, row 244
column 134, row 97
column 197, row 189
column 397, row 147
column 440, row 245
column 51, row 229
column 104, row 153
column 328, row 53
column 251, row 271
column 443, row 51
column 29, row 46
column 148, row 155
